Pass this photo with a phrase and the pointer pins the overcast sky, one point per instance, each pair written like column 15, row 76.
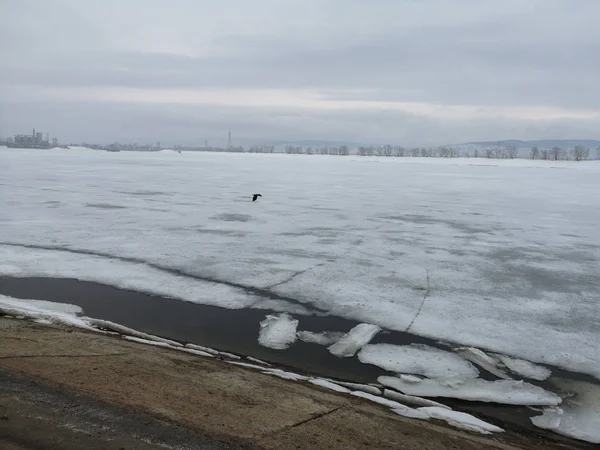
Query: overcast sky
column 408, row 72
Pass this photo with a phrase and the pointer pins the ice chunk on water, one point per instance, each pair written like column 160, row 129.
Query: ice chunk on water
column 354, row 340
column 525, row 368
column 501, row 391
column 417, row 359
column 277, row 331
column 483, row 360
column 549, row 420
column 460, row 420
column 579, row 416
column 411, row 399
column 324, row 338
column 329, row 385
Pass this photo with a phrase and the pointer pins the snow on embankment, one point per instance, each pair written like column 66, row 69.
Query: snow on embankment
column 279, row 331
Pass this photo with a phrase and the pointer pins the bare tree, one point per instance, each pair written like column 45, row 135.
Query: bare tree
column 490, row 152
column 399, row 151
column 414, row 152
column 512, row 151
column 534, row 152
column 557, row 153
column 545, row 154
column 444, row 152
column 309, row 150
column 344, row 150
column 476, row 153
column 580, row 153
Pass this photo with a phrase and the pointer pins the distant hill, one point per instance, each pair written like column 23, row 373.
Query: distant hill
column 543, row 143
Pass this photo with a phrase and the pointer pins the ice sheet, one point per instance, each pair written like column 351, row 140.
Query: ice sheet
column 511, row 247
column 509, row 392
column 417, row 359
column 277, row 331
column 461, row 420
column 354, row 340
column 25, row 262
column 525, row 368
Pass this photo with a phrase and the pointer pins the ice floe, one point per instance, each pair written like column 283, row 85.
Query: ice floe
column 277, row 331
column 510, row 392
column 354, row 340
column 417, row 359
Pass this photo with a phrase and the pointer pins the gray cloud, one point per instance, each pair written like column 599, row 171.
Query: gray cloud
column 513, row 54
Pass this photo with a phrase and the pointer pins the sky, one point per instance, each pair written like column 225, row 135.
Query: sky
column 404, row 72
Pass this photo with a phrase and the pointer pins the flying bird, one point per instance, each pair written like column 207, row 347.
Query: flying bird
column 255, row 197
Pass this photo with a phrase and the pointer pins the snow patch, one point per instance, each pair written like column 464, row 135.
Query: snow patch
column 398, row 408
column 460, row 420
column 419, row 401
column 111, row 326
column 258, row 361
column 53, row 312
column 277, row 331
column 285, row 375
column 509, row 392
column 329, row 385
column 359, row 387
column 417, row 359
column 202, row 349
column 354, row 340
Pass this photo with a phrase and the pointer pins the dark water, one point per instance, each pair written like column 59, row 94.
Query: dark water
column 236, row 331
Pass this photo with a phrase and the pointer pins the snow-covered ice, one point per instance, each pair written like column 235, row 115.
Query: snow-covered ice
column 525, row 368
column 511, row 247
column 354, row 340
column 417, row 359
column 277, row 331
column 322, row 338
column 509, row 392
column 461, row 420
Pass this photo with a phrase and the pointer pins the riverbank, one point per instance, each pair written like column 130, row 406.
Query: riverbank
column 165, row 398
